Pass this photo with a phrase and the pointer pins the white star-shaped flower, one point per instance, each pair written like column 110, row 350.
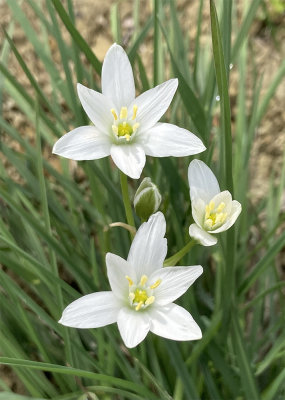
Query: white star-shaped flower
column 213, row 211
column 126, row 127
column 142, row 293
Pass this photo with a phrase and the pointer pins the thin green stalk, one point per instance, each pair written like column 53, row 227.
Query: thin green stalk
column 126, row 200
column 173, row 260
column 45, row 210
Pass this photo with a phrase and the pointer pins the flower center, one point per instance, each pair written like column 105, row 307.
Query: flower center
column 141, row 295
column 214, row 216
column 123, row 127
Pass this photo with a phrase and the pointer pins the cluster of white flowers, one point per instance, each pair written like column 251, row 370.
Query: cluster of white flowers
column 127, row 128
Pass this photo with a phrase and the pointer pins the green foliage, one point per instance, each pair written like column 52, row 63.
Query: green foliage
column 54, row 227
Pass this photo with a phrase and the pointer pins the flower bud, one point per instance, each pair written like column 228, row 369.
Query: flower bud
column 147, row 199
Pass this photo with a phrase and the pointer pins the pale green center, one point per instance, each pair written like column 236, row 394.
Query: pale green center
column 141, row 295
column 124, row 127
column 214, row 216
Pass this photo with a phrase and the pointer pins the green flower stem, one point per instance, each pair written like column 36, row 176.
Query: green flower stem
column 126, row 200
column 173, row 260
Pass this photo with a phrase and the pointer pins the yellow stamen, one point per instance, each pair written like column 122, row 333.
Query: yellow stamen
column 143, row 281
column 127, row 136
column 221, row 207
column 115, row 129
column 139, row 306
column 156, row 284
column 131, row 296
column 124, row 113
column 114, row 114
column 149, row 300
column 209, row 208
column 135, row 109
column 135, row 126
column 129, row 280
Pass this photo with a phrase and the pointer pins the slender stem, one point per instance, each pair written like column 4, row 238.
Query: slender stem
column 126, row 200
column 173, row 260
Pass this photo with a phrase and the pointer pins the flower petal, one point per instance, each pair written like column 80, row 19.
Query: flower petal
column 133, row 326
column 174, row 282
column 203, row 183
column 129, row 158
column 164, row 140
column 198, row 211
column 97, row 107
column 235, row 212
column 203, row 237
column 117, row 77
column 174, row 322
column 83, row 143
column 149, row 247
column 91, row 311
column 224, row 197
column 117, row 269
column 153, row 103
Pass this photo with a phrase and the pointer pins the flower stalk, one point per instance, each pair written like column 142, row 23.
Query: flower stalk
column 173, row 260
column 127, row 203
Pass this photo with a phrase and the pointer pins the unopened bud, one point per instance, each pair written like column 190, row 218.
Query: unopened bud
column 147, row 199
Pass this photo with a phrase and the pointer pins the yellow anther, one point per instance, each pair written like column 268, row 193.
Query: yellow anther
column 131, row 296
column 124, row 124
column 149, row 300
column 157, row 283
column 135, row 126
column 129, row 280
column 115, row 129
column 139, row 306
column 135, row 109
column 114, row 114
column 143, row 281
column 124, row 113
column 209, row 223
column 208, row 209
column 221, row 207
column 127, row 136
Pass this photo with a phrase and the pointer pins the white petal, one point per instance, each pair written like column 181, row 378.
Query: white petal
column 149, row 247
column 235, row 212
column 117, row 77
column 129, row 158
column 164, row 140
column 83, row 143
column 133, row 326
column 174, row 282
column 97, row 107
column 91, row 311
column 153, row 103
column 117, row 269
column 203, row 237
column 174, row 322
column 223, row 197
column 198, row 211
column 203, row 183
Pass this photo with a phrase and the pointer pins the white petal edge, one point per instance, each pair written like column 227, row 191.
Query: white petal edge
column 97, row 107
column 203, row 183
column 133, row 326
column 153, row 103
column 174, row 282
column 164, row 140
column 117, row 269
column 174, row 322
column 198, row 211
column 91, row 311
column 117, row 77
column 83, row 143
column 129, row 158
column 203, row 237
column 149, row 247
column 235, row 212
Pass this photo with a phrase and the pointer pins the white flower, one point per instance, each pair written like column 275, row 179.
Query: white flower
column 213, row 211
column 126, row 127
column 142, row 293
